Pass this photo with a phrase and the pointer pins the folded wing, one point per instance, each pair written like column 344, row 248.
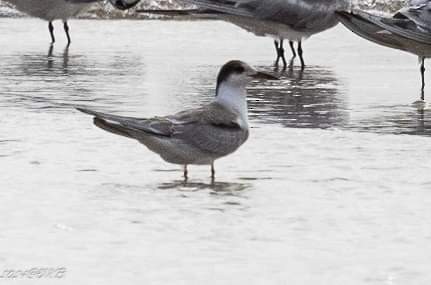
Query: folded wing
column 211, row 129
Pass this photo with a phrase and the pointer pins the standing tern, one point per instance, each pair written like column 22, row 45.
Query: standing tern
column 51, row 10
column 294, row 20
column 195, row 136
column 409, row 30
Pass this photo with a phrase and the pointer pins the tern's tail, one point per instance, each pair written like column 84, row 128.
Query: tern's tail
column 113, row 128
column 111, row 123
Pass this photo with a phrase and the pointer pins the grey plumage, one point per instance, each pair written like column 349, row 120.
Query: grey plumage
column 202, row 135
column 396, row 33
column 308, row 16
column 195, row 136
column 418, row 12
column 409, row 30
column 294, row 20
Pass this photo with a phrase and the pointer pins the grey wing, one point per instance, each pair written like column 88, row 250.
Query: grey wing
column 218, row 140
column 227, row 7
column 368, row 30
column 402, row 27
column 130, row 126
column 419, row 14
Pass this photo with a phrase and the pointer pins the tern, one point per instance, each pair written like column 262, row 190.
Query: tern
column 409, row 29
column 196, row 136
column 294, row 20
column 51, row 10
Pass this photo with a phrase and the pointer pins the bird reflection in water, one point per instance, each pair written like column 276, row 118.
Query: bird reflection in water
column 51, row 58
column 38, row 77
column 305, row 98
column 213, row 186
column 227, row 195
column 315, row 98
column 39, row 64
column 401, row 119
column 59, row 78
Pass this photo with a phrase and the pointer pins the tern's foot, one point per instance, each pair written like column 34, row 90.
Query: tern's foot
column 420, row 104
column 283, row 59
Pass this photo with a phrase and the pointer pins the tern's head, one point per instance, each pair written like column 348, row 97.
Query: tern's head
column 124, row 4
column 236, row 73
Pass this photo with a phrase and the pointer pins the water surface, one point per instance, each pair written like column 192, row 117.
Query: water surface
column 331, row 187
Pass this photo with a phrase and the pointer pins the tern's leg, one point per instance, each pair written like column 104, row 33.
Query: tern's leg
column 50, row 50
column 423, row 77
column 277, row 51
column 51, row 32
column 280, row 52
column 185, row 172
column 212, row 171
column 66, row 29
column 300, row 52
column 293, row 49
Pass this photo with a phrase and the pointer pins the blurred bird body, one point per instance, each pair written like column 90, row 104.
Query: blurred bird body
column 409, row 30
column 294, row 20
column 51, row 10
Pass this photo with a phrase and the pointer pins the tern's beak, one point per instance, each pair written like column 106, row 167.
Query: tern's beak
column 263, row 75
column 124, row 4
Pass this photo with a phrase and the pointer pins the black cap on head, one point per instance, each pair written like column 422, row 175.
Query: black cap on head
column 233, row 66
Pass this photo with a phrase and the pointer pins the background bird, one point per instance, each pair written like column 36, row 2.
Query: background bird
column 409, row 29
column 294, row 20
column 51, row 10
column 195, row 136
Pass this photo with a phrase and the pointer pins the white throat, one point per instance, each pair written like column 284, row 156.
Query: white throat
column 234, row 97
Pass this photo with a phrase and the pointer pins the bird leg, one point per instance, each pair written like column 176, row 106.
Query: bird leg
column 185, row 172
column 51, row 32
column 423, row 77
column 276, row 50
column 300, row 52
column 50, row 50
column 212, row 171
column 280, row 52
column 66, row 29
column 292, row 48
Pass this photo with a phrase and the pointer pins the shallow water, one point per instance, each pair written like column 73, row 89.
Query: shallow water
column 330, row 188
